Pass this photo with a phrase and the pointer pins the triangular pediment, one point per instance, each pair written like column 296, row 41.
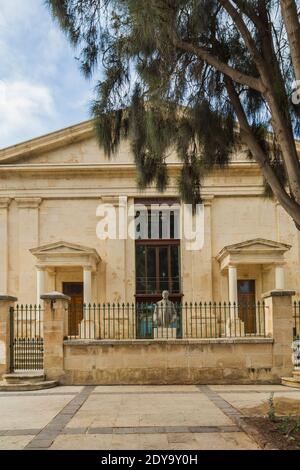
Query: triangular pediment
column 258, row 244
column 74, row 146
column 63, row 247
column 32, row 149
column 257, row 250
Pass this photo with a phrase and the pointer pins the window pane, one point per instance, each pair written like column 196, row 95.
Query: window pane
column 140, row 269
column 163, row 268
column 141, row 225
column 153, row 230
column 176, row 232
column 246, row 287
column 175, row 268
column 151, row 270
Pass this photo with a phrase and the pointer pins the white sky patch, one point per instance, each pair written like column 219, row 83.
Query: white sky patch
column 25, row 110
column 44, row 89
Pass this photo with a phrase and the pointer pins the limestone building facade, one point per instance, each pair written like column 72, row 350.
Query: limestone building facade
column 51, row 188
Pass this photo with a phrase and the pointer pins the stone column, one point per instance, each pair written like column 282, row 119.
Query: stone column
column 40, row 284
column 4, row 204
column 55, row 330
column 232, row 284
column 89, row 327
column 234, row 327
column 279, row 325
column 87, row 285
column 6, row 302
column 279, row 277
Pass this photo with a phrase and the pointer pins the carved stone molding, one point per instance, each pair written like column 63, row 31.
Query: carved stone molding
column 28, row 202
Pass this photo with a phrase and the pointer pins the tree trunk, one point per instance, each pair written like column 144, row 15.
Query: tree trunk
column 292, row 26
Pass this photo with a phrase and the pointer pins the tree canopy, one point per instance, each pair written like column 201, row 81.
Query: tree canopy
column 197, row 76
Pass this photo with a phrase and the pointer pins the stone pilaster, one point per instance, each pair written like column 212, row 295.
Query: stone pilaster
column 279, row 325
column 28, row 238
column 4, row 205
column 55, row 330
column 6, row 302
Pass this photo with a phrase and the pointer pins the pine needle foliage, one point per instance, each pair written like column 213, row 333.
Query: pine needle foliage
column 163, row 93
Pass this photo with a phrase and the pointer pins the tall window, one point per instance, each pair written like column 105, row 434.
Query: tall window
column 157, row 249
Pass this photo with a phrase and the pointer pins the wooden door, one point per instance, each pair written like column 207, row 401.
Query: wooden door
column 75, row 291
column 247, row 306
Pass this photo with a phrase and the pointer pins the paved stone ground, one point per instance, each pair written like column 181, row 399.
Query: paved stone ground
column 132, row 417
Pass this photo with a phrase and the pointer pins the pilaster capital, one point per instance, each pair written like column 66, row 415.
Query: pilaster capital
column 28, row 202
column 4, row 202
column 114, row 201
column 207, row 200
column 88, row 268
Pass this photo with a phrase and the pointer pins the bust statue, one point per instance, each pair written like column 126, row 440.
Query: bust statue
column 164, row 312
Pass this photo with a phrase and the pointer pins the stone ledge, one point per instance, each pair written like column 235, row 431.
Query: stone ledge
column 55, row 296
column 278, row 293
column 136, row 342
column 7, row 298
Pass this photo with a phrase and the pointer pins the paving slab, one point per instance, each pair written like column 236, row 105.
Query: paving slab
column 251, row 388
column 30, row 412
column 144, row 389
column 131, row 417
column 67, row 390
column 251, row 400
column 14, row 442
column 82, row 442
column 184, row 441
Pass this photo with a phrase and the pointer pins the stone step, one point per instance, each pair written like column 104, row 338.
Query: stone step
column 27, row 386
column 24, row 377
column 296, row 373
column 291, row 382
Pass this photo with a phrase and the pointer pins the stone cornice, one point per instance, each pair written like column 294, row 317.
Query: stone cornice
column 93, row 192
column 113, row 167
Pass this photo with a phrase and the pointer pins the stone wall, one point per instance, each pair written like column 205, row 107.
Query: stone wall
column 171, row 362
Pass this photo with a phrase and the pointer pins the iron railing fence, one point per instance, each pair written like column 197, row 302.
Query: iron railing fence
column 177, row 321
column 27, row 343
column 296, row 320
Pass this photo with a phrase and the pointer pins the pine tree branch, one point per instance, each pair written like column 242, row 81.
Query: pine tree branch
column 281, row 120
column 244, row 31
column 214, row 61
column 249, row 139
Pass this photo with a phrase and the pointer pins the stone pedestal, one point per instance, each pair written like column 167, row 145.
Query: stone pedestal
column 296, row 354
column 279, row 325
column 164, row 333
column 55, row 327
column 6, row 302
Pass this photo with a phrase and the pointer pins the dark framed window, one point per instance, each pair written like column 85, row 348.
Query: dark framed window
column 157, row 249
column 158, row 267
